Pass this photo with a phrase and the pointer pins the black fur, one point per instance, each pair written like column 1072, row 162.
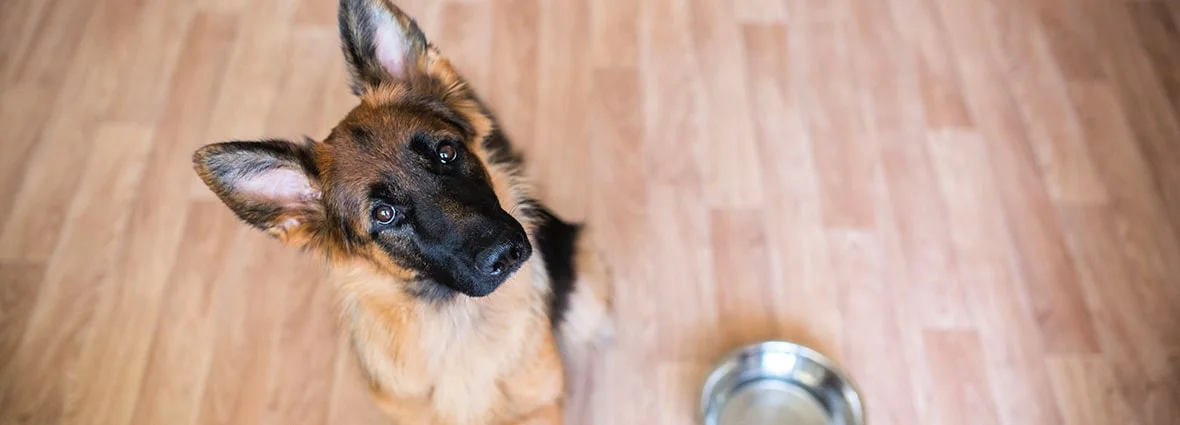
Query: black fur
column 498, row 144
column 556, row 239
column 363, row 137
column 448, row 215
column 500, row 150
column 557, row 242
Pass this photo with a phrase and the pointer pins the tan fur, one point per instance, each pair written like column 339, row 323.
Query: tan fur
column 478, row 361
column 588, row 322
column 494, row 360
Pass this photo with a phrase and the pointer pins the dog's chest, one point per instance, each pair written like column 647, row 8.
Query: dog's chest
column 456, row 369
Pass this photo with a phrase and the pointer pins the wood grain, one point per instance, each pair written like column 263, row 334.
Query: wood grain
column 972, row 206
column 956, row 363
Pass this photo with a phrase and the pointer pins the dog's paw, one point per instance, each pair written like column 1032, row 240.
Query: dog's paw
column 589, row 322
column 589, row 319
column 605, row 335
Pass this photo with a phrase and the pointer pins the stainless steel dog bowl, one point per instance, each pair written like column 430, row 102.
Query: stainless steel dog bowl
column 779, row 383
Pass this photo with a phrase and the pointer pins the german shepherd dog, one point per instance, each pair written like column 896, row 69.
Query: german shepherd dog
column 461, row 292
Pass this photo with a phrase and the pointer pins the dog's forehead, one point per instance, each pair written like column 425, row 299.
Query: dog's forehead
column 376, row 138
column 371, row 146
column 371, row 127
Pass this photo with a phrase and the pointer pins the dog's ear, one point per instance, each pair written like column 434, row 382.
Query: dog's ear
column 272, row 185
column 381, row 43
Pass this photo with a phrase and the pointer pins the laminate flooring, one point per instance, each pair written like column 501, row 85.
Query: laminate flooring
column 972, row 206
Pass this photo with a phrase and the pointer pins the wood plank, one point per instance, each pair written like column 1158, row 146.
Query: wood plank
column 727, row 152
column 677, row 223
column 956, row 362
column 677, row 391
column 617, row 130
column 760, row 11
column 1127, row 242
column 147, row 75
column 614, row 33
column 619, row 203
column 304, row 76
column 79, row 280
column 1157, row 127
column 514, row 68
column 1004, row 321
column 302, row 364
column 895, row 118
column 96, row 391
column 247, row 318
column 1049, row 282
column 805, row 299
column 127, row 330
column 24, row 108
column 1158, row 35
column 1124, row 53
column 182, row 343
column 66, row 136
column 39, row 51
column 1087, row 393
column 125, row 323
column 1038, row 91
column 748, row 312
column 20, row 23
column 466, row 40
column 689, row 328
column 316, row 13
column 562, row 75
column 19, row 284
column 920, row 27
column 1133, row 318
column 1071, row 40
column 1145, row 235
column 833, row 115
column 633, row 398
column 863, row 275
column 257, row 63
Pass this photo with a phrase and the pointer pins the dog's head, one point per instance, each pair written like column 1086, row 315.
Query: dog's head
column 409, row 181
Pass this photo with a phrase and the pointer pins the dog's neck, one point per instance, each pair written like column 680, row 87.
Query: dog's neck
column 360, row 288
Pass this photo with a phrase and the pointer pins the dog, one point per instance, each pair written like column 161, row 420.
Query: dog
column 461, row 292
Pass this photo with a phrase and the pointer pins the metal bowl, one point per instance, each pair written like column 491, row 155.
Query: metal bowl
column 778, row 382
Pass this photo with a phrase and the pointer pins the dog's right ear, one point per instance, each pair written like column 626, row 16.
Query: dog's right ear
column 272, row 185
column 381, row 43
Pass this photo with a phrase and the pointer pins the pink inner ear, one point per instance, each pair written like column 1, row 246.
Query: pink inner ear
column 390, row 44
column 279, row 184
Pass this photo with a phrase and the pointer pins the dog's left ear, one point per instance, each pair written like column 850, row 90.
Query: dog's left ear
column 272, row 185
column 381, row 43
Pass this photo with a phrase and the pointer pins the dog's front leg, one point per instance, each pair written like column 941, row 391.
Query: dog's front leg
column 589, row 321
column 548, row 415
column 401, row 410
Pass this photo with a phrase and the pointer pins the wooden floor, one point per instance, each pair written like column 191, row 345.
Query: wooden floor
column 972, row 205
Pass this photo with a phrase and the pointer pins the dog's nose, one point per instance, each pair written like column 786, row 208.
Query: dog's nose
column 501, row 258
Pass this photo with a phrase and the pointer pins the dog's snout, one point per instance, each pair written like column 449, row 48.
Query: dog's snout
column 501, row 258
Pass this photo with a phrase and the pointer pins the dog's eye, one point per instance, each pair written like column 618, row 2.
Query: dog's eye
column 447, row 152
column 384, row 214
